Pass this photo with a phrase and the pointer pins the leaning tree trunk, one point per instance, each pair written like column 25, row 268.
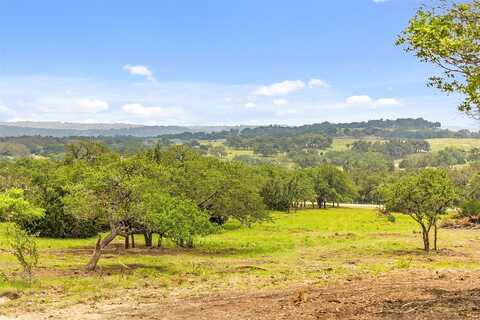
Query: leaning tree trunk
column 435, row 232
column 101, row 244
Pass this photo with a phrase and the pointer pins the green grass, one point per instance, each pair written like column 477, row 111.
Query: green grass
column 465, row 144
column 307, row 246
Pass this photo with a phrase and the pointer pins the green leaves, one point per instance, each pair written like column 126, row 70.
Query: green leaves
column 424, row 194
column 14, row 208
column 449, row 37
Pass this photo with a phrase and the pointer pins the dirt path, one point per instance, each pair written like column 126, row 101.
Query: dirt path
column 446, row 295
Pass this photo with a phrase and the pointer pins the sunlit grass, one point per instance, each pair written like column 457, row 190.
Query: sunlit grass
column 464, row 144
column 310, row 245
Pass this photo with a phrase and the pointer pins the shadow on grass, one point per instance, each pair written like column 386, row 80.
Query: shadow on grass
column 117, row 250
column 121, row 268
column 443, row 252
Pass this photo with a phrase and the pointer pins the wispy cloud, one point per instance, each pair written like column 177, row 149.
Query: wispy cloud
column 280, row 88
column 44, row 98
column 139, row 70
column 72, row 105
column 318, row 83
column 365, row 100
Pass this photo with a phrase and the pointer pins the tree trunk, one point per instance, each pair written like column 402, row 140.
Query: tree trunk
column 426, row 240
column 127, row 241
column 101, row 244
column 133, row 240
column 435, row 232
column 148, row 239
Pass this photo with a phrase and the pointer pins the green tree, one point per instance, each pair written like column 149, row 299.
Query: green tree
column 224, row 189
column 448, row 36
column 14, row 208
column 283, row 188
column 424, row 196
column 113, row 192
column 331, row 184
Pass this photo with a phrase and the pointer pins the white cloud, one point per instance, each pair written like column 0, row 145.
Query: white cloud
column 286, row 112
column 318, row 83
column 139, row 70
column 92, row 105
column 280, row 88
column 387, row 102
column 155, row 113
column 379, row 1
column 367, row 101
column 72, row 105
column 280, row 102
column 250, row 105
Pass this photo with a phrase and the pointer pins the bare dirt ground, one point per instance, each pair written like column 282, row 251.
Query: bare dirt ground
column 402, row 295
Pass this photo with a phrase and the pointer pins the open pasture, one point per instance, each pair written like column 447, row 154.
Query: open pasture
column 464, row 144
column 307, row 247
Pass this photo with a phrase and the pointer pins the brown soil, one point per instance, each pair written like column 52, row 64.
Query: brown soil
column 402, row 295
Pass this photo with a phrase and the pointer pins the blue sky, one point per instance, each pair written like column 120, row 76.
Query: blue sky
column 213, row 62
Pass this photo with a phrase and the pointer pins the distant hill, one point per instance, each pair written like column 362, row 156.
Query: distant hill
column 66, row 129
column 69, row 125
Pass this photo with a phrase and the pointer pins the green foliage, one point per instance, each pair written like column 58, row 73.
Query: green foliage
column 283, row 188
column 223, row 189
column 423, row 195
column 177, row 219
column 331, row 184
column 473, row 187
column 24, row 248
column 14, row 208
column 395, row 149
column 470, row 209
column 443, row 158
column 448, row 37
column 351, row 160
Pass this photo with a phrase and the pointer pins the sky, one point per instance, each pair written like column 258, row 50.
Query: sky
column 213, row 62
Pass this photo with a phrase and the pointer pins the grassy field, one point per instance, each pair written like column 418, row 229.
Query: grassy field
column 465, row 144
column 307, row 246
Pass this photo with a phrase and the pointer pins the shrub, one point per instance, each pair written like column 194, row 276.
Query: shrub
column 470, row 209
column 24, row 248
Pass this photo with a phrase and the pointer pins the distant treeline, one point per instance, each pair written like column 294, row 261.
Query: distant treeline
column 405, row 136
column 387, row 129
column 48, row 146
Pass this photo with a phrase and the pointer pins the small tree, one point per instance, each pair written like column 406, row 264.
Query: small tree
column 14, row 208
column 24, row 248
column 424, row 196
column 331, row 184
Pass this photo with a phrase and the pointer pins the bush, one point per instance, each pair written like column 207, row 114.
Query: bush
column 470, row 209
column 63, row 225
column 24, row 248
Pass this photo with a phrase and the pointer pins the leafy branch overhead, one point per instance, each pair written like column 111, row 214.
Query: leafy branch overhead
column 448, row 36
